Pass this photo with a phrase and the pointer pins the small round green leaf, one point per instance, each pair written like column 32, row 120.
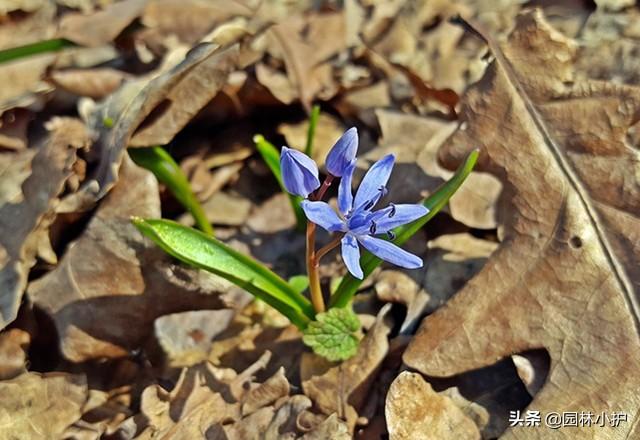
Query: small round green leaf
column 333, row 334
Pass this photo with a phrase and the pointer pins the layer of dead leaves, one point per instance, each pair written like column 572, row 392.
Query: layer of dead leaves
column 531, row 283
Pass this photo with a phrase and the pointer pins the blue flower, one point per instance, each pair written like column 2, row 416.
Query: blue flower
column 360, row 223
column 299, row 172
column 342, row 153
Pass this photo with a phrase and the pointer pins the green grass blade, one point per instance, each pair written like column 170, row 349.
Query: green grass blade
column 271, row 157
column 27, row 50
column 435, row 202
column 311, row 132
column 167, row 171
column 203, row 251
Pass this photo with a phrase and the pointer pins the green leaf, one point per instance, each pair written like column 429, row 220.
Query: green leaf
column 203, row 251
column 271, row 157
column 333, row 334
column 300, row 283
column 39, row 47
column 167, row 171
column 311, row 132
column 435, row 202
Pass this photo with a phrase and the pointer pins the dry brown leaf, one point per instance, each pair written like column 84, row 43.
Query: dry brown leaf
column 197, row 402
column 15, row 168
column 190, row 20
column 164, row 102
column 609, row 43
column 277, row 82
column 36, row 406
column 415, row 141
column 100, row 27
column 20, row 5
column 567, row 270
column 332, row 427
column 210, row 402
column 614, row 5
column 13, row 356
column 22, row 82
column 415, row 412
column 111, row 277
column 343, row 388
column 266, row 393
column 186, row 337
column 95, row 83
column 193, row 89
column 452, row 260
column 306, row 44
column 25, row 215
column 223, row 209
column 328, row 130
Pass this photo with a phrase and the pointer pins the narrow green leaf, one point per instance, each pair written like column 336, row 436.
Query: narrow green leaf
column 333, row 334
column 167, row 171
column 197, row 249
column 311, row 132
column 271, row 157
column 300, row 283
column 435, row 202
column 37, row 48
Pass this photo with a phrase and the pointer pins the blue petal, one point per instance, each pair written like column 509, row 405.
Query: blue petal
column 299, row 172
column 342, row 153
column 351, row 255
column 376, row 178
column 390, row 252
column 323, row 215
column 397, row 215
column 345, row 196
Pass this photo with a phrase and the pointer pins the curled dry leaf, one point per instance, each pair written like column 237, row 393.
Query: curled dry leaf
column 37, row 406
column 165, row 104
column 30, row 213
column 110, row 277
column 566, row 271
column 414, row 411
column 210, row 402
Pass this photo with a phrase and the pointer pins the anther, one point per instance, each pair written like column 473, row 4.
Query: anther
column 391, row 235
column 392, row 212
column 372, row 228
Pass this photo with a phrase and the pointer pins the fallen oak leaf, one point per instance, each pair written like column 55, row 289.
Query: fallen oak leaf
column 565, row 277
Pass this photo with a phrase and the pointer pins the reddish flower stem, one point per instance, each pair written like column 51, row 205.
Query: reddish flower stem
column 312, row 258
